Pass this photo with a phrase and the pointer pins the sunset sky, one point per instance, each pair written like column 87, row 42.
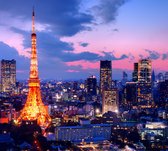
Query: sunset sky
column 73, row 35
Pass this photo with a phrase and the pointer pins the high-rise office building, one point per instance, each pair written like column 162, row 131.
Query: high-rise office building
column 110, row 100
column 135, row 73
column 8, row 75
column 143, row 76
column 91, row 85
column 130, row 94
column 144, row 81
column 144, row 70
column 166, row 76
column 153, row 76
column 163, row 90
column 144, row 92
column 105, row 75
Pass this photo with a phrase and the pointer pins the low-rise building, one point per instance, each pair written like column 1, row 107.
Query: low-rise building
column 86, row 132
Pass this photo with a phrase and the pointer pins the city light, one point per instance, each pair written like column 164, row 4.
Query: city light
column 116, row 111
column 97, row 111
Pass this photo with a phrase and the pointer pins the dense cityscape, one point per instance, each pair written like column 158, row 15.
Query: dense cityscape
column 91, row 114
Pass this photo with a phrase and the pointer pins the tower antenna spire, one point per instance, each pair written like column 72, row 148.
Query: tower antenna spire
column 33, row 23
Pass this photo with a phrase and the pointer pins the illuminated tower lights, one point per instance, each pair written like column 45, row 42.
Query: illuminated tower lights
column 34, row 109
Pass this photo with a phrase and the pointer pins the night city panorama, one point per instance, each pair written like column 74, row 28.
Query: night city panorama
column 84, row 75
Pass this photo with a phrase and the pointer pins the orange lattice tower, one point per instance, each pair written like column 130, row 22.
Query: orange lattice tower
column 34, row 109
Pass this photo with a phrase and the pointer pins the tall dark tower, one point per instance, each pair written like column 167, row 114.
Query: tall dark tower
column 135, row 73
column 91, row 85
column 153, row 76
column 34, row 109
column 105, row 75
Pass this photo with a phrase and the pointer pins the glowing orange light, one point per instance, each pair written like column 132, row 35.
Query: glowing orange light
column 34, row 108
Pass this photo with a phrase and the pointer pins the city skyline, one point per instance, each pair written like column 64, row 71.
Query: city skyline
column 74, row 36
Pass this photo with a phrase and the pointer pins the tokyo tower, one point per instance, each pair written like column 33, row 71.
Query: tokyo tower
column 34, row 109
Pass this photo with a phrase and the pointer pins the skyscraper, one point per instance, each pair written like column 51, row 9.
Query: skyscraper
column 166, row 76
column 153, row 76
column 144, row 70
column 109, row 94
column 91, row 85
column 34, row 109
column 110, row 100
column 105, row 75
column 8, row 75
column 162, row 91
column 135, row 73
column 130, row 94
column 143, row 76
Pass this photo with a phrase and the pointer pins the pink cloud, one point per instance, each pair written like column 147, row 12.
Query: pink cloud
column 84, row 64
column 14, row 39
column 117, row 64
column 21, row 71
column 72, row 71
column 120, row 64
